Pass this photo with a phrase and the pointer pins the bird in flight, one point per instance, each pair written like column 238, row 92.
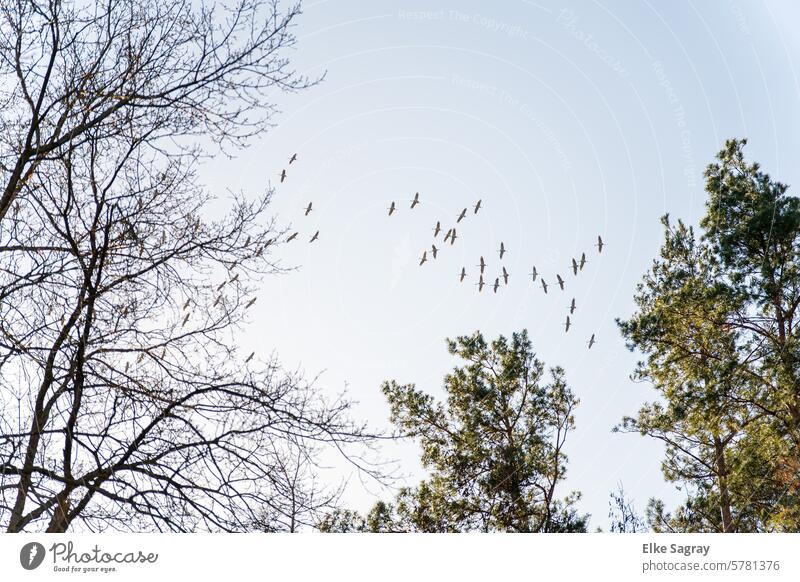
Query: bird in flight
column 567, row 324
column 293, row 158
column 583, row 260
column 315, row 237
column 437, row 229
column 250, row 357
column 392, row 209
column 477, row 206
column 250, row 303
column 599, row 244
column 308, row 208
column 292, row 237
column 544, row 286
column 560, row 282
column 434, row 250
column 534, row 274
column 424, row 257
column 574, row 267
column 283, row 175
column 482, row 265
column 502, row 250
column 480, row 284
column 496, row 284
column 591, row 342
column 572, row 306
column 415, row 201
column 461, row 216
column 462, row 275
column 505, row 276
column 453, row 236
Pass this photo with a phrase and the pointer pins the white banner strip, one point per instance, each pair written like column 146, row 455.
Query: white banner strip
column 402, row 557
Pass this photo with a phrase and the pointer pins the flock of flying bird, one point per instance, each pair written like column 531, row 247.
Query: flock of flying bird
column 451, row 235
column 308, row 209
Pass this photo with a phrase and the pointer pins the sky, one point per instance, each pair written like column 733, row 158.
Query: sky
column 569, row 120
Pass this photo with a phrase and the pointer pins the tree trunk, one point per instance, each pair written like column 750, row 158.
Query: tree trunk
column 724, row 494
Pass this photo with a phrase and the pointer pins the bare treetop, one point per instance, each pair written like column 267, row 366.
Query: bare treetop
column 144, row 69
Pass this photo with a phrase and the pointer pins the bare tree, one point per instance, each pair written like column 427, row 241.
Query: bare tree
column 622, row 513
column 124, row 401
column 171, row 70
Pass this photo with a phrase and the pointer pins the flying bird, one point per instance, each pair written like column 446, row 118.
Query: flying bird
column 434, row 250
column 534, row 274
column 447, row 234
column 415, row 201
column 583, row 260
column 505, row 276
column 591, row 341
column 480, row 284
column 599, row 244
column 308, row 209
column 560, row 282
column 462, row 275
column 283, row 175
column 567, row 324
column 185, row 319
column 292, row 237
column 391, row 209
column 293, row 158
column 461, row 216
column 477, row 206
column 186, row 305
column 544, row 286
column 574, row 267
column 250, row 357
column 424, row 257
column 315, row 237
column 437, row 229
column 502, row 250
column 250, row 303
column 453, row 236
column 482, row 265
column 496, row 284
column 572, row 306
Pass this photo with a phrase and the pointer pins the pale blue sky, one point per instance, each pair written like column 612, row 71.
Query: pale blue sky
column 569, row 120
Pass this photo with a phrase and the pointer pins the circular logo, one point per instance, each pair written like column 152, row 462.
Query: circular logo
column 31, row 555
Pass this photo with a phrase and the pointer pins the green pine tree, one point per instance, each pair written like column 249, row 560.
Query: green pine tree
column 716, row 321
column 494, row 450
